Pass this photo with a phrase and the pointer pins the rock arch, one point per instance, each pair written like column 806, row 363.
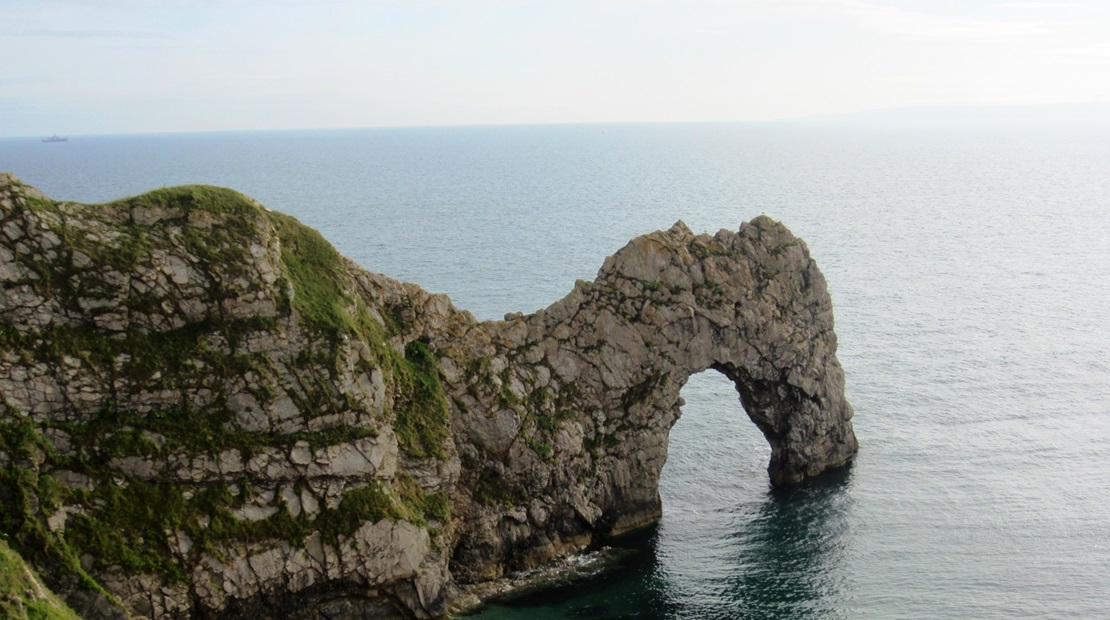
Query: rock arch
column 191, row 340
column 562, row 416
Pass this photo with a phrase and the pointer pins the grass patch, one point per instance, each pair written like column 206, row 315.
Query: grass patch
column 132, row 523
column 376, row 501
column 538, row 446
column 420, row 404
column 117, row 433
column 217, row 200
column 194, row 355
column 315, row 269
column 129, row 527
column 493, row 490
column 23, row 596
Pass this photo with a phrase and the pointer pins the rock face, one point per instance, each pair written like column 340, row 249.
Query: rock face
column 207, row 412
column 562, row 421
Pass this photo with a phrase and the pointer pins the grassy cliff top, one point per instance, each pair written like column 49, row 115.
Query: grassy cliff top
column 162, row 356
column 22, row 593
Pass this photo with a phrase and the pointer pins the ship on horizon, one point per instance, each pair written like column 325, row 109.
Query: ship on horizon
column 55, row 138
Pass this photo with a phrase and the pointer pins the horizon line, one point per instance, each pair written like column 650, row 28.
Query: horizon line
column 880, row 115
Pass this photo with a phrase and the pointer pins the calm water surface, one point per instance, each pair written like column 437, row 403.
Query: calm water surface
column 969, row 272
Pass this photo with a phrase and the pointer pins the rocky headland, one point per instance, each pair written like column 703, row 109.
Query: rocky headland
column 207, row 412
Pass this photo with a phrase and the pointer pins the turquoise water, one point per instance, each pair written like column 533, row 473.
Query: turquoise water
column 968, row 269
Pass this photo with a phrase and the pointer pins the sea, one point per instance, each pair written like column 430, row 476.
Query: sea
column 969, row 267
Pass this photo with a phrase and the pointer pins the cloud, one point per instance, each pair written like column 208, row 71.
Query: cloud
column 1038, row 5
column 921, row 25
column 84, row 34
column 1096, row 51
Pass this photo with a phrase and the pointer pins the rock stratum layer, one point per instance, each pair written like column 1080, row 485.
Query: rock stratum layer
column 209, row 413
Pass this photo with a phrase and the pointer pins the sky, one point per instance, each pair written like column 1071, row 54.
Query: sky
column 133, row 66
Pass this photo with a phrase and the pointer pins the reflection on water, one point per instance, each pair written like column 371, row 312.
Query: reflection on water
column 780, row 557
column 782, row 561
column 789, row 560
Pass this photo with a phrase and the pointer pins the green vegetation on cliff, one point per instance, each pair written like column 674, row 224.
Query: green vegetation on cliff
column 100, row 486
column 316, row 271
column 421, row 406
column 23, row 596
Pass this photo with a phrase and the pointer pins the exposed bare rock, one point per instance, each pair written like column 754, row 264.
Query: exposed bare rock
column 207, row 412
column 567, row 410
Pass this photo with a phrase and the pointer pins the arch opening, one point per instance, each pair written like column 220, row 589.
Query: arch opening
column 714, row 451
column 728, row 542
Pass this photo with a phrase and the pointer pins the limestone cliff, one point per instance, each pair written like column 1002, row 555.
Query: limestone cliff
column 207, row 412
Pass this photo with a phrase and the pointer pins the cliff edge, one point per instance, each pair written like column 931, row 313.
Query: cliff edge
column 208, row 412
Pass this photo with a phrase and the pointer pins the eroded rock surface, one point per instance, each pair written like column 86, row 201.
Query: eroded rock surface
column 208, row 413
column 562, row 419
